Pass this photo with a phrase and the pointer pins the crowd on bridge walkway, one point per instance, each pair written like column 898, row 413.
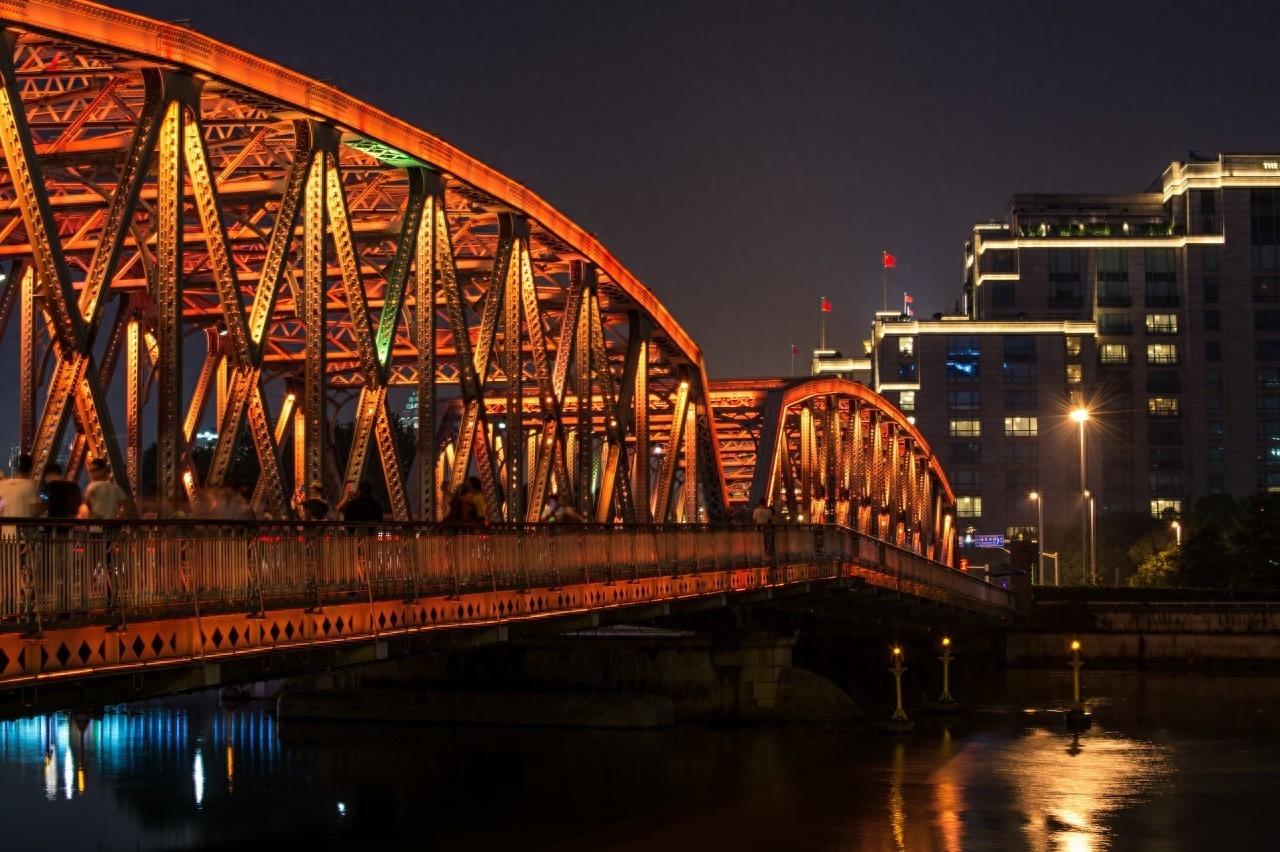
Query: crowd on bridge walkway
column 59, row 497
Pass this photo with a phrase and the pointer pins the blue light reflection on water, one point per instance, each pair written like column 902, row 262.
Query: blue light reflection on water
column 188, row 772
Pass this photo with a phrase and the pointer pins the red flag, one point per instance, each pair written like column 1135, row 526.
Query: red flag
column 795, row 350
column 889, row 260
column 826, row 305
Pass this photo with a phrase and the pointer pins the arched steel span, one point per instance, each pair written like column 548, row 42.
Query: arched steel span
column 168, row 196
column 825, row 449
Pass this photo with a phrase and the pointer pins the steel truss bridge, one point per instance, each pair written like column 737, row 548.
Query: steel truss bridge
column 194, row 235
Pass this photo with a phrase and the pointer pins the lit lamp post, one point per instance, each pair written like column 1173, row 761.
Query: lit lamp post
column 1036, row 496
column 1076, row 717
column 898, row 723
column 1177, row 533
column 1080, row 415
column 945, row 699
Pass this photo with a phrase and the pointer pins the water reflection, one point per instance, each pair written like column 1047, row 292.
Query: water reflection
column 189, row 772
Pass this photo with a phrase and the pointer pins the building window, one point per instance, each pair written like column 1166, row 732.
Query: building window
column 1164, row 381
column 1266, row 288
column 1210, row 286
column 1113, row 278
column 907, row 346
column 1264, row 320
column 966, row 480
column 1266, row 350
column 1021, row 482
column 1165, row 484
column 1020, row 400
column 1212, row 321
column 1064, row 278
column 1023, row 533
column 969, row 507
column 1075, row 374
column 907, row 400
column 1213, row 377
column 999, row 261
column 1064, row 265
column 1164, row 433
column 907, row 372
column 968, row 400
column 1020, row 452
column 1212, row 350
column 1019, row 347
column 1114, row 353
column 965, row 452
column 1020, row 372
column 966, row 428
column 1073, row 345
column 1166, row 509
column 1268, row 377
column 962, row 359
column 1114, row 324
column 1162, row 353
column 1020, row 427
column 1164, row 458
column 1161, row 280
column 1162, row 406
column 1003, row 295
column 1209, row 259
column 1203, row 211
column 1264, row 214
column 1162, row 323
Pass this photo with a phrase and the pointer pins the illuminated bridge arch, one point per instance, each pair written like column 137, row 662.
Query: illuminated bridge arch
column 825, row 449
column 196, row 234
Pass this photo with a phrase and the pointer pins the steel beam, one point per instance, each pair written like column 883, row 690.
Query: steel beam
column 425, row 277
column 311, row 449
column 662, row 504
column 169, row 309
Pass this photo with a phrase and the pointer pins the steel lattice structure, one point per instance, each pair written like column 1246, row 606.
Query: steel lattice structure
column 160, row 186
column 166, row 197
column 831, row 450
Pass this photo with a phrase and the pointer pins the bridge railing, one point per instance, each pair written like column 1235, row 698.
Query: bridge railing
column 52, row 573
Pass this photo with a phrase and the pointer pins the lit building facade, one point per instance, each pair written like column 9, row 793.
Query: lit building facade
column 1170, row 299
column 992, row 398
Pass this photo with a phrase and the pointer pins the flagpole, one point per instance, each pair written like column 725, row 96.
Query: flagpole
column 884, row 282
column 822, row 324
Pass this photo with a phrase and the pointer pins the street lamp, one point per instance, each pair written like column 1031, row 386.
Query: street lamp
column 1177, row 532
column 1080, row 415
column 1036, row 496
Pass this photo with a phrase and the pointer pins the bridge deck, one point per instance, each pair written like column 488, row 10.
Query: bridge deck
column 76, row 602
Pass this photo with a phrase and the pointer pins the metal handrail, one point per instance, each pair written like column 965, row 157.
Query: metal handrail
column 58, row 572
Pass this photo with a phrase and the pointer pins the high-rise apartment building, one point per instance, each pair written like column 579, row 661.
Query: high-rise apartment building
column 1159, row 311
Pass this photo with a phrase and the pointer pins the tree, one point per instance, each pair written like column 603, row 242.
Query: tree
column 1255, row 544
column 1159, row 566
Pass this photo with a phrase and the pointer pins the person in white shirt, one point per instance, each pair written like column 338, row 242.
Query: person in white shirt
column 103, row 499
column 762, row 513
column 19, row 497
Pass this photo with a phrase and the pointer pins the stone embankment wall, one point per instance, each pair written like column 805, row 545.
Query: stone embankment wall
column 1152, row 634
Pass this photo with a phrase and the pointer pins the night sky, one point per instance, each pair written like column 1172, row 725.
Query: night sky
column 745, row 159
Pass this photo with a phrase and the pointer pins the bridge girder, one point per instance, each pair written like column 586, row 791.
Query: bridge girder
column 331, row 258
column 832, row 450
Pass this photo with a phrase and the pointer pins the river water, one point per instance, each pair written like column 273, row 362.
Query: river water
column 1174, row 762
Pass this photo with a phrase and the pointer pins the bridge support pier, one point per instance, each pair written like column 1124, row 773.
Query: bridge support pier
column 739, row 678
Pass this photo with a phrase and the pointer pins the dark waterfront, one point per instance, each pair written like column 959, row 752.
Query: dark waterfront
column 1176, row 762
